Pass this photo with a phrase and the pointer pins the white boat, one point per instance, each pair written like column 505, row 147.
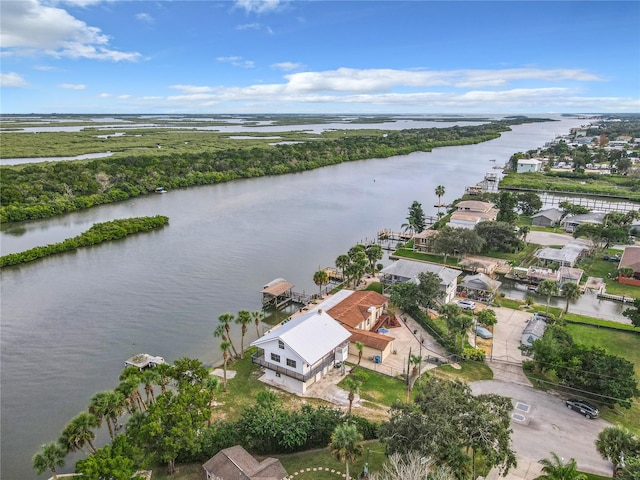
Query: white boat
column 160, row 190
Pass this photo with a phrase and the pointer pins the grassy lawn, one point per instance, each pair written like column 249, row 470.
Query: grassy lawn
column 469, row 372
column 379, row 391
column 618, row 343
column 427, row 257
column 597, row 267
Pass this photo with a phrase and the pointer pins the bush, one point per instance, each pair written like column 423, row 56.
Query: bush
column 474, row 354
column 528, row 366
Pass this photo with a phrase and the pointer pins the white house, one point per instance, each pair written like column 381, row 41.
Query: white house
column 526, row 165
column 469, row 213
column 300, row 351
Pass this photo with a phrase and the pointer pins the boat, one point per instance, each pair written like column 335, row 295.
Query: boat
column 160, row 190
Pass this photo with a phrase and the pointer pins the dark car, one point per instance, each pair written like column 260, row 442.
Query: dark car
column 585, row 408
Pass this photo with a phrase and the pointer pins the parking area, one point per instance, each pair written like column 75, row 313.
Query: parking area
column 542, row 424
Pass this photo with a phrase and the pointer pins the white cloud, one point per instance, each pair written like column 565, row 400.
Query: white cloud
column 287, row 66
column 249, row 26
column 104, row 95
column 12, row 79
column 72, row 86
column 260, row 6
column 145, row 17
column 124, row 97
column 44, row 68
column 237, row 61
column 28, row 25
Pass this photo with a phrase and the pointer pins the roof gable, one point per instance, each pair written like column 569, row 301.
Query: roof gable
column 411, row 268
column 356, row 307
column 631, row 258
column 311, row 336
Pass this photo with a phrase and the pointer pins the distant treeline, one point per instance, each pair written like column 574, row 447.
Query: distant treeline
column 43, row 190
column 98, row 233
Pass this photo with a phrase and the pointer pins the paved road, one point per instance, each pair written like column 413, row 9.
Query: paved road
column 546, row 425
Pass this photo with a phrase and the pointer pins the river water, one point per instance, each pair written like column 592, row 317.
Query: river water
column 70, row 321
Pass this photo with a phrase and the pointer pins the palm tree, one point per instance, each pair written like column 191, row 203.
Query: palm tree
column 360, row 347
column 257, row 318
column 211, row 384
column 131, row 375
column 440, row 194
column 556, row 469
column 342, row 262
column 107, row 406
column 165, row 373
column 548, row 288
column 129, row 389
column 571, row 292
column 352, row 384
column 345, row 444
column 616, row 443
column 524, row 231
column 320, row 278
column 244, row 319
column 149, row 377
column 79, row 432
column 224, row 346
column 48, row 457
column 416, row 361
column 227, row 319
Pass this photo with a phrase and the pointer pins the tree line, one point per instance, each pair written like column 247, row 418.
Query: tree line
column 98, row 233
column 44, row 190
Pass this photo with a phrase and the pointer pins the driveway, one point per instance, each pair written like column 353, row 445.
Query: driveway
column 542, row 424
column 548, row 238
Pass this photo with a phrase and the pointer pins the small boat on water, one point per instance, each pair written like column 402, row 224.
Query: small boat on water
column 160, row 190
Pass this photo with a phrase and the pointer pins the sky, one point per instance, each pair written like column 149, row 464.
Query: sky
column 324, row 57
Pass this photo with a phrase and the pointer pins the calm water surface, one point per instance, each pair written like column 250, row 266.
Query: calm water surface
column 70, row 321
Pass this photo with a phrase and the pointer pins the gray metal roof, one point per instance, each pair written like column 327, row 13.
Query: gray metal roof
column 568, row 253
column 553, row 214
column 410, row 269
column 480, row 281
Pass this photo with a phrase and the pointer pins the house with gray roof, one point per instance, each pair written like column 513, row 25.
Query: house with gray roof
column 533, row 331
column 570, row 223
column 547, row 218
column 404, row 270
column 479, row 287
column 567, row 256
column 300, row 351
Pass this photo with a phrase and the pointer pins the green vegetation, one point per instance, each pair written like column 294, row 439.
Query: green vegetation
column 44, row 190
column 469, row 371
column 617, row 186
column 98, row 233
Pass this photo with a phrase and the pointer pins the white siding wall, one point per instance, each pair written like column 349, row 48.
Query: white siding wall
column 286, row 353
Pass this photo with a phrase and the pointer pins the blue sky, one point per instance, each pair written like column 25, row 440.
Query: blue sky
column 279, row 56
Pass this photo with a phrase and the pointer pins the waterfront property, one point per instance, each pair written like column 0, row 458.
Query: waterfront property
column 423, row 241
column 550, row 217
column 570, row 223
column 236, row 462
column 300, row 351
column 479, row 287
column 469, row 213
column 404, row 270
column 144, row 360
column 567, row 256
column 526, row 165
column 630, row 259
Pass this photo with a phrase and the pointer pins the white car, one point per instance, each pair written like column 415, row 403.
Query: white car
column 466, row 304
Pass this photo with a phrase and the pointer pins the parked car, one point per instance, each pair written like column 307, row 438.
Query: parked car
column 466, row 304
column 585, row 408
column 482, row 332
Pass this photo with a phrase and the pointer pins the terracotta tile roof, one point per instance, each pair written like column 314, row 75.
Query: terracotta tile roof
column 354, row 309
column 631, row 258
column 373, row 340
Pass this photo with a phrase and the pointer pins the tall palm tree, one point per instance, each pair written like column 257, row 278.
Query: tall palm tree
column 224, row 346
column 320, row 278
column 342, row 262
column 165, row 373
column 211, row 384
column 79, row 432
column 107, row 406
column 571, row 292
column 48, row 457
column 524, row 231
column 556, row 469
column 257, row 318
column 345, row 444
column 149, row 377
column 548, row 288
column 129, row 389
column 440, row 194
column 244, row 319
column 360, row 347
column 133, row 374
column 352, row 384
column 416, row 361
column 227, row 319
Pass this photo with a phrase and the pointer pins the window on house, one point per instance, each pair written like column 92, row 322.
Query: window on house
column 275, row 358
column 291, row 363
column 281, row 344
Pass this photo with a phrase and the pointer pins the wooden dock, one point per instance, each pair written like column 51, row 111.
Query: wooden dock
column 615, row 298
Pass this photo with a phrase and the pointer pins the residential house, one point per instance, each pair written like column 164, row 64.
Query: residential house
column 235, row 463
column 631, row 259
column 533, row 331
column 526, row 165
column 570, row 223
column 300, row 351
column 567, row 256
column 469, row 213
column 547, row 218
column 479, row 287
column 404, row 270
column 423, row 241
